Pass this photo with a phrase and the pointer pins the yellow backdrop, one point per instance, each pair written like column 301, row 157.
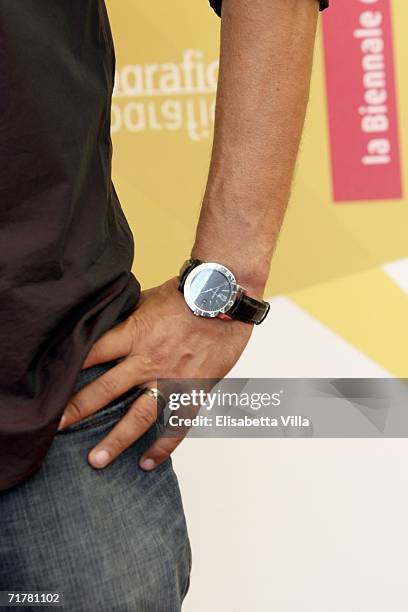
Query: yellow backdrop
column 329, row 258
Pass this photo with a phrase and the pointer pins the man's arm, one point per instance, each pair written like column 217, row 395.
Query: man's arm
column 265, row 66
column 266, row 59
column 217, row 5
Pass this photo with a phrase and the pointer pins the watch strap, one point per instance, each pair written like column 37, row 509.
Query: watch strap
column 185, row 270
column 249, row 310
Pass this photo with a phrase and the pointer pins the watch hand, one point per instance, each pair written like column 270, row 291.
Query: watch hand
column 211, row 289
column 214, row 288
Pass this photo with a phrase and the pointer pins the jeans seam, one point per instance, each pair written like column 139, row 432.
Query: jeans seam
column 188, row 579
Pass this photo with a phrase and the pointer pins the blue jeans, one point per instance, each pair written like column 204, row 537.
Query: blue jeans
column 113, row 539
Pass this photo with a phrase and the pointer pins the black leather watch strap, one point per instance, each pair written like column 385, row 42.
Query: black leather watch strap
column 249, row 310
column 186, row 268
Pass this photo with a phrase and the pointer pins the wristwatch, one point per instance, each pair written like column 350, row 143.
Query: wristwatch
column 210, row 290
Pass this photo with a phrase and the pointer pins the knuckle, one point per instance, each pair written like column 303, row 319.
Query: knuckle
column 118, row 444
column 95, row 353
column 131, row 327
column 148, row 365
column 109, row 387
column 144, row 413
column 140, row 326
column 161, row 451
column 75, row 409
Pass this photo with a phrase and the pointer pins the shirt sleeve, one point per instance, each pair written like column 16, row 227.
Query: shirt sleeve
column 216, row 4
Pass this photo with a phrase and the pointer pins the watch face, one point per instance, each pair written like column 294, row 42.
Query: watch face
column 210, row 290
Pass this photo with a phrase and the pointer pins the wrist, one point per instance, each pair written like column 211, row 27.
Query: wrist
column 250, row 276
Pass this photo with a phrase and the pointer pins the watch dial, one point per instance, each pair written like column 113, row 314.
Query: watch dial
column 210, row 290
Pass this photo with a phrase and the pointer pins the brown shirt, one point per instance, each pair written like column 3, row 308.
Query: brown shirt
column 66, row 249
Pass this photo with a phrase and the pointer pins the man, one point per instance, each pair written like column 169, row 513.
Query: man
column 82, row 348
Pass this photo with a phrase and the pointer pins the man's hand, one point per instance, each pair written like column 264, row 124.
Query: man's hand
column 263, row 87
column 161, row 339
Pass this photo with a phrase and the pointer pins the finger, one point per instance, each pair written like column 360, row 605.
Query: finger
column 160, row 450
column 133, row 371
column 139, row 418
column 115, row 343
column 174, row 433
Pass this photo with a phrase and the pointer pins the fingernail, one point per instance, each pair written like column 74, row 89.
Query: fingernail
column 62, row 422
column 99, row 458
column 147, row 464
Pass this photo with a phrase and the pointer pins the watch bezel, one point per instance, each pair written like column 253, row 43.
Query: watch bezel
column 200, row 312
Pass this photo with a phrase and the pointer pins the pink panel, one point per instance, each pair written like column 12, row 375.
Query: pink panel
column 361, row 93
